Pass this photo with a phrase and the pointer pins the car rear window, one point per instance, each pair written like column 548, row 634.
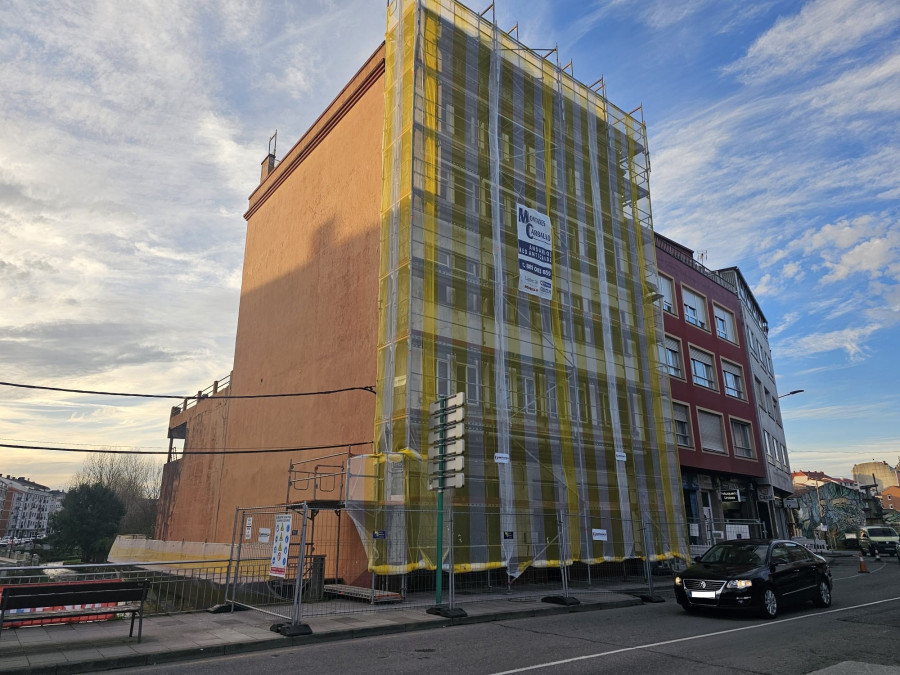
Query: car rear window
column 881, row 532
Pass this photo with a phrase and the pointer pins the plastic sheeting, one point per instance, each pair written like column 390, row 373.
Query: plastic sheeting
column 567, row 408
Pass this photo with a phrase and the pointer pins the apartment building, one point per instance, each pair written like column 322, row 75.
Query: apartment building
column 26, row 507
column 465, row 217
column 714, row 415
column 776, row 484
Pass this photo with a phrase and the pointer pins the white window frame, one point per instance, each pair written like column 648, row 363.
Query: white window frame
column 695, row 312
column 725, row 324
column 672, row 357
column 743, row 451
column 733, row 380
column 705, row 438
column 667, row 289
column 703, row 374
column 682, row 427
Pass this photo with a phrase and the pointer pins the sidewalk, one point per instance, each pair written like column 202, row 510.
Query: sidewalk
column 83, row 647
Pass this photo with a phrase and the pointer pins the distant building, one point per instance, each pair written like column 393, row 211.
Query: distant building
column 880, row 474
column 26, row 507
column 890, row 499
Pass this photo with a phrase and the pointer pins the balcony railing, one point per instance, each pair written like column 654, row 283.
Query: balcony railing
column 690, row 262
column 211, row 390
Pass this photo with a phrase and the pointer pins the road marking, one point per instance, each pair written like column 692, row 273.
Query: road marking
column 574, row 659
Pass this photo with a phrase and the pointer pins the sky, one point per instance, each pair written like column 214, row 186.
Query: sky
column 131, row 136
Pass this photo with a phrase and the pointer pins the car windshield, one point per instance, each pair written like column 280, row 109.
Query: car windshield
column 881, row 532
column 736, row 553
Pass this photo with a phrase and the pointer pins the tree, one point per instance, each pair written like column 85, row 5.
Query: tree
column 88, row 521
column 134, row 479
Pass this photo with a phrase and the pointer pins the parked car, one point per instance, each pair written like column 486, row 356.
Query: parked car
column 754, row 574
column 880, row 538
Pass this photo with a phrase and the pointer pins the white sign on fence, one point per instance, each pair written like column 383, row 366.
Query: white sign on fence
column 248, row 528
column 280, row 545
column 265, row 534
column 598, row 535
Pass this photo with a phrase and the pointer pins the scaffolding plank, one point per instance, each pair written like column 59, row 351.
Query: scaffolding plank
column 360, row 593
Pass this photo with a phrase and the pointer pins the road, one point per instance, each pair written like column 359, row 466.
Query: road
column 862, row 625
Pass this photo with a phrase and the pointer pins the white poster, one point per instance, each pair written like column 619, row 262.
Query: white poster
column 535, row 252
column 265, row 535
column 280, row 545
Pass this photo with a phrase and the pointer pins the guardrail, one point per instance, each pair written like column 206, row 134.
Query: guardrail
column 175, row 586
column 213, row 389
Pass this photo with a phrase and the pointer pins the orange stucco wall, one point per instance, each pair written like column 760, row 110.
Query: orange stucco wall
column 307, row 322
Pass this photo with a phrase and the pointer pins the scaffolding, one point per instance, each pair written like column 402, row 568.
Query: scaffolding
column 568, row 409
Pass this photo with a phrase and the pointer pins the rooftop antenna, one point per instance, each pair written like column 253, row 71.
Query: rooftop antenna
column 273, row 143
column 701, row 256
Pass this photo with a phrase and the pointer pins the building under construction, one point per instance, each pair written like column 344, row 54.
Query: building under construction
column 468, row 217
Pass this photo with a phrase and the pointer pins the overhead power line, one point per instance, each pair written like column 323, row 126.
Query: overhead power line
column 370, row 389
column 189, row 452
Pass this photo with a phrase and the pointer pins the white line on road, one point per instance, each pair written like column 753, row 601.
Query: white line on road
column 550, row 664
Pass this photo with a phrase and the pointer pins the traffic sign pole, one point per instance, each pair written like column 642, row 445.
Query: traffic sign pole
column 446, row 446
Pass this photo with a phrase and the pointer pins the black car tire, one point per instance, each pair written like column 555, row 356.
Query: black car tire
column 686, row 606
column 769, row 606
column 823, row 594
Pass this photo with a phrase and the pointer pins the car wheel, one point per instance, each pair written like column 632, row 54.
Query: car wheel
column 823, row 594
column 769, row 607
column 687, row 608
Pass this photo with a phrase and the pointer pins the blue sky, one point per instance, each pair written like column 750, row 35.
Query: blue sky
column 132, row 135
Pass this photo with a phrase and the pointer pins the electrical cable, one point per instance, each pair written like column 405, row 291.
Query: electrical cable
column 189, row 452
column 370, row 389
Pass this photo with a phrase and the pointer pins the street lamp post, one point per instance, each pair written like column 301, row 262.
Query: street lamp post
column 791, row 393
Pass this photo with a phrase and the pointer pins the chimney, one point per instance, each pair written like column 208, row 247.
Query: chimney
column 268, row 165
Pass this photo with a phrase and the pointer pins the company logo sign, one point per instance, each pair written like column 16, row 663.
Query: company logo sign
column 535, row 252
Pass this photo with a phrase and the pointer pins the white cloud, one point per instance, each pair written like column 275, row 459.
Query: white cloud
column 850, row 340
column 822, row 30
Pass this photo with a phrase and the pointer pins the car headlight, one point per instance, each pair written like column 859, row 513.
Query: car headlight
column 739, row 583
column 678, row 581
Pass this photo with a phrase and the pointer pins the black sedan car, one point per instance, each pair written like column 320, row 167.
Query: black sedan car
column 755, row 574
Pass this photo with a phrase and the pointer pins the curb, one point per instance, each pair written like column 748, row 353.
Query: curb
column 192, row 654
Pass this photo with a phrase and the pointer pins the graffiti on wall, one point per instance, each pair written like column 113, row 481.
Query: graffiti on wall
column 838, row 507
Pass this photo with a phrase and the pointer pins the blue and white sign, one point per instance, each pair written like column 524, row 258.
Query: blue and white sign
column 280, row 545
column 535, row 252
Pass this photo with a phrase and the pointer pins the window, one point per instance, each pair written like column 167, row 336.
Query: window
column 711, row 435
column 473, row 301
column 765, row 401
column 673, row 357
column 702, row 368
column 694, row 308
column 473, row 388
column 528, row 392
column 743, row 444
column 443, row 378
column 768, row 441
column 682, row 425
column 733, row 377
column 724, row 324
column 667, row 288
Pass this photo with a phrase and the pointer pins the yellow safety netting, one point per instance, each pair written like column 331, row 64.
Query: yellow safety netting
column 567, row 428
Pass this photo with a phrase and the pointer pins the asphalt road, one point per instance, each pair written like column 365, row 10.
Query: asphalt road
column 862, row 625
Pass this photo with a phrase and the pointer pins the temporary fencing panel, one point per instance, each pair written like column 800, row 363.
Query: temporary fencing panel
column 517, row 266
